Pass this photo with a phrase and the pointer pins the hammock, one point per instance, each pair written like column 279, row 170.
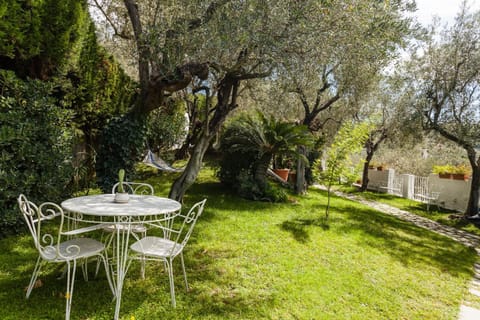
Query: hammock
column 153, row 161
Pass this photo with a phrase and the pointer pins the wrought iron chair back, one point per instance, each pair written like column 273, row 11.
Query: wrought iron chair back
column 189, row 220
column 52, row 248
column 135, row 188
column 46, row 240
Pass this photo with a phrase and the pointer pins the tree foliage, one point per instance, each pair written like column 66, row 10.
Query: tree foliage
column 446, row 74
column 340, row 166
column 36, row 36
column 34, row 159
column 55, row 41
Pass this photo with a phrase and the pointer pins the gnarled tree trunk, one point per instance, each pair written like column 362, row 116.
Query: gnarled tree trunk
column 190, row 174
column 472, row 207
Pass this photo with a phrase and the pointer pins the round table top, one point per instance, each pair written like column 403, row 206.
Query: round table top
column 137, row 206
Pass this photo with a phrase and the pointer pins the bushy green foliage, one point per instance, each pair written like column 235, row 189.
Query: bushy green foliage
column 123, row 143
column 234, row 163
column 97, row 89
column 37, row 36
column 237, row 167
column 249, row 145
column 35, row 144
column 54, row 41
column 448, row 168
column 166, row 128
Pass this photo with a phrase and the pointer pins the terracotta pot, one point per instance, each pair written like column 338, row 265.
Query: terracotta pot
column 282, row 173
column 445, row 175
column 459, row 176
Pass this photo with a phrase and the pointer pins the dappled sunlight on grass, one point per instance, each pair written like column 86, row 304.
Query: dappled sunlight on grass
column 440, row 215
column 259, row 260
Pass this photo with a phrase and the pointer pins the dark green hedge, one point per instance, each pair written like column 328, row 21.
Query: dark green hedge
column 78, row 89
column 37, row 36
column 35, row 146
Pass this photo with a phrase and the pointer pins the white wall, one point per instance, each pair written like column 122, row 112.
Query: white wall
column 454, row 194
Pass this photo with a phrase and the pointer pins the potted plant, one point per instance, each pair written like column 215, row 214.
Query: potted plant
column 281, row 167
column 461, row 172
column 121, row 196
column 448, row 171
column 381, row 167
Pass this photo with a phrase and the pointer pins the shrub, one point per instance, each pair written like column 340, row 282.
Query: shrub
column 122, row 145
column 248, row 146
column 35, row 144
column 448, row 168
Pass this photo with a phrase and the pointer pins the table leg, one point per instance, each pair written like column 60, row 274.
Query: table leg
column 122, row 237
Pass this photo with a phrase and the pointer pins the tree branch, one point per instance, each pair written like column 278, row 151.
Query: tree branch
column 122, row 34
column 211, row 10
column 143, row 63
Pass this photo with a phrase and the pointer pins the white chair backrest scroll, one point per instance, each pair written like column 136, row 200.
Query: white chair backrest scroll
column 135, row 188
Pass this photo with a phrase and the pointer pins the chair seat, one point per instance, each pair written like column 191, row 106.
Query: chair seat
column 74, row 249
column 137, row 228
column 156, row 247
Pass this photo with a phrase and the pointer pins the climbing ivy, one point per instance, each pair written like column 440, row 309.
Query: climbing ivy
column 123, row 143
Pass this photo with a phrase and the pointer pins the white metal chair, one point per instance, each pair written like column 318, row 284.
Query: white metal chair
column 52, row 248
column 168, row 248
column 135, row 188
column 432, row 199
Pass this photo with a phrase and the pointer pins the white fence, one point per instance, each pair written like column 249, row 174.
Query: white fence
column 448, row 193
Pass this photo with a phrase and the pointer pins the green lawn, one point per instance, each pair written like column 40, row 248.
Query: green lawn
column 253, row 260
column 440, row 215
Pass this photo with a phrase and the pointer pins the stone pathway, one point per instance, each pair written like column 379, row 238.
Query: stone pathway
column 466, row 238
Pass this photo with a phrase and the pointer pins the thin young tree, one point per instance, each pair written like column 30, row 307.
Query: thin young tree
column 340, row 165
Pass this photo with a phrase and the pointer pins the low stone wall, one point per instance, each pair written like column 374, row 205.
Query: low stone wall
column 453, row 194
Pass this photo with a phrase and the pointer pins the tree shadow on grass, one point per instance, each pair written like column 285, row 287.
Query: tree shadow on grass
column 407, row 242
column 402, row 240
column 298, row 227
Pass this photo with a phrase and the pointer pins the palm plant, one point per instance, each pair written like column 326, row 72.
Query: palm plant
column 267, row 137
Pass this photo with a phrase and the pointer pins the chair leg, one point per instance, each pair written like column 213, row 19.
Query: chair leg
column 70, row 284
column 184, row 273
column 33, row 279
column 85, row 270
column 143, row 261
column 170, row 278
column 107, row 272
column 108, row 243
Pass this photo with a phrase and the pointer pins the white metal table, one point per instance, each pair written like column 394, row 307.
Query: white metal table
column 101, row 209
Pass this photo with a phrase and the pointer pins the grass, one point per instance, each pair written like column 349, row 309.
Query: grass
column 254, row 260
column 441, row 215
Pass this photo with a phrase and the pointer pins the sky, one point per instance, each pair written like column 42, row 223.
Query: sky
column 445, row 9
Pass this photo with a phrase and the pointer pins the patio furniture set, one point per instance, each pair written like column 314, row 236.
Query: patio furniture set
column 123, row 227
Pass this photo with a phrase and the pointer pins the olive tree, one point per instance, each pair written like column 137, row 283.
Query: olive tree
column 338, row 56
column 211, row 46
column 446, row 79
